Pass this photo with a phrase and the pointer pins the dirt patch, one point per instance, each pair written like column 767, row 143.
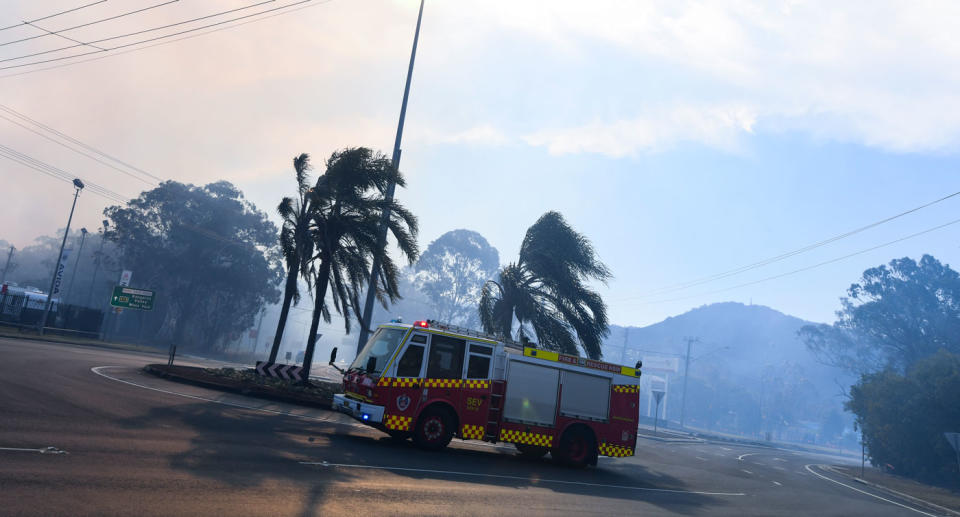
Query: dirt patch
column 248, row 382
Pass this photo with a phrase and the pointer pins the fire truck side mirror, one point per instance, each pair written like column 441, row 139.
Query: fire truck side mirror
column 333, row 355
column 637, row 367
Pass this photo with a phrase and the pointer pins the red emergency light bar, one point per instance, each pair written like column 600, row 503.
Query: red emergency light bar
column 424, row 324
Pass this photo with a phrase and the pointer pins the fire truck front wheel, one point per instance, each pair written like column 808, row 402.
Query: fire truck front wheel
column 434, row 429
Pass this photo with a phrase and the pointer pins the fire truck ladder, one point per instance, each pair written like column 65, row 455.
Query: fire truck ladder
column 495, row 413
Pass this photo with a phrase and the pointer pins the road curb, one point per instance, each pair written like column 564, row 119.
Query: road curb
column 894, row 493
column 106, row 346
column 249, row 391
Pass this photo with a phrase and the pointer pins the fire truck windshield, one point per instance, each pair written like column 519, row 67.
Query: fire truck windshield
column 380, row 347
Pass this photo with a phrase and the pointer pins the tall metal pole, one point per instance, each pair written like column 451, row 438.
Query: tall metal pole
column 56, row 268
column 385, row 215
column 686, row 376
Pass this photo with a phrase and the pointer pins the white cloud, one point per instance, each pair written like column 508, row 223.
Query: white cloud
column 720, row 127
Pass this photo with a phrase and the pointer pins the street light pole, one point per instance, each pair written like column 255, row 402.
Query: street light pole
column 385, row 215
column 56, row 268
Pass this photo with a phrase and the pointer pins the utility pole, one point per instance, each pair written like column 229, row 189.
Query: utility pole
column 77, row 184
column 96, row 267
column 7, row 265
column 686, row 375
column 76, row 263
column 385, row 215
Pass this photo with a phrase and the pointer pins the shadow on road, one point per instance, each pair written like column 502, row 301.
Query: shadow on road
column 249, row 449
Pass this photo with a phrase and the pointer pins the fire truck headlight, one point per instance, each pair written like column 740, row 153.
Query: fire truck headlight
column 365, row 416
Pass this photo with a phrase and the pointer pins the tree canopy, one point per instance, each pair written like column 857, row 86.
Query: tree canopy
column 894, row 316
column 547, row 289
column 208, row 252
column 451, row 274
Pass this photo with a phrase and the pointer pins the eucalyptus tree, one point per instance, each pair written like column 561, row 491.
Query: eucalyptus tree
column 296, row 244
column 346, row 204
column 547, row 289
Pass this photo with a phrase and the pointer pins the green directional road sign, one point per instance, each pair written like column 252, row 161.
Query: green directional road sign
column 132, row 298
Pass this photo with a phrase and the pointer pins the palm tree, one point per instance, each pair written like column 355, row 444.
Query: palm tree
column 295, row 243
column 546, row 290
column 346, row 204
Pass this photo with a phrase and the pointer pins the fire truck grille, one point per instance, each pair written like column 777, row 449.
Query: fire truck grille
column 540, row 440
column 397, row 422
column 615, row 451
column 472, row 432
column 625, row 388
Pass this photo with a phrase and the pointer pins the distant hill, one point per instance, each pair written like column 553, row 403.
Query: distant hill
column 749, row 370
column 754, row 334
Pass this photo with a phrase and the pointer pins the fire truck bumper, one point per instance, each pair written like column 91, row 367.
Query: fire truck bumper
column 366, row 413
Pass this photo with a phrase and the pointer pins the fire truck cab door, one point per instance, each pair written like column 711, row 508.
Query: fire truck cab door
column 407, row 386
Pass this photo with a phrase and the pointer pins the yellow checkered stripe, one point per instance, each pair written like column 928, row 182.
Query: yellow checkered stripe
column 398, row 422
column 472, row 432
column 540, row 440
column 387, row 382
column 615, row 451
column 626, row 388
column 475, row 384
column 442, row 383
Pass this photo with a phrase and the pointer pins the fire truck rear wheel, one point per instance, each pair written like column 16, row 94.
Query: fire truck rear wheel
column 434, row 429
column 531, row 451
column 577, row 447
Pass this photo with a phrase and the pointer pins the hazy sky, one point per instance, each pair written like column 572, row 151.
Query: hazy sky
column 684, row 139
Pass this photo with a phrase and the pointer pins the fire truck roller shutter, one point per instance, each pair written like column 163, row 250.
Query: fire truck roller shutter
column 585, row 396
column 531, row 396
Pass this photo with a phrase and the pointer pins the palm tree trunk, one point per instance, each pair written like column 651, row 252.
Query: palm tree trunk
column 319, row 292
column 287, row 297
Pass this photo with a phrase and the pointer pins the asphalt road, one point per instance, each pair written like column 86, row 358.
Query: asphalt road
column 126, row 443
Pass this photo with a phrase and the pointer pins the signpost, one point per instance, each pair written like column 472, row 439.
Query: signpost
column 954, row 440
column 132, row 298
column 656, row 416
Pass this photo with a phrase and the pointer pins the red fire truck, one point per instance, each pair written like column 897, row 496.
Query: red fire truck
column 431, row 382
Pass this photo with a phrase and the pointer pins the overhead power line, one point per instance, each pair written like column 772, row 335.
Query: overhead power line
column 76, row 142
column 54, row 172
column 214, row 15
column 52, row 15
column 736, row 271
column 814, row 266
column 137, row 49
column 59, row 31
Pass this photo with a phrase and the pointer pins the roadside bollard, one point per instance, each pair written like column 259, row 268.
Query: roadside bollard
column 173, row 353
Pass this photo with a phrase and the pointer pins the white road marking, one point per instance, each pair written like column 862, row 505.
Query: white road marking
column 777, row 483
column 821, row 476
column 740, row 457
column 701, row 459
column 521, row 478
column 747, row 471
column 726, row 449
column 780, row 468
column 45, row 450
column 779, row 459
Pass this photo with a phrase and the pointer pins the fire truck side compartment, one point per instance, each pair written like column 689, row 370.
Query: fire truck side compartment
column 529, row 398
column 585, row 396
